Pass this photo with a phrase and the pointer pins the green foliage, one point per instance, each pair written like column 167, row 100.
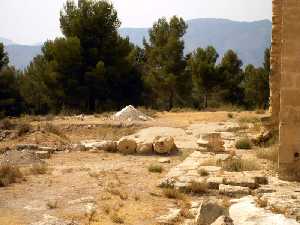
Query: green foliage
column 10, row 99
column 243, row 143
column 93, row 69
column 3, row 57
column 38, row 87
column 165, row 62
column 256, row 87
column 154, row 168
column 231, row 77
column 204, row 73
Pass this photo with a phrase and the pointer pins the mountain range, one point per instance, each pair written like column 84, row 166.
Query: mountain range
column 248, row 39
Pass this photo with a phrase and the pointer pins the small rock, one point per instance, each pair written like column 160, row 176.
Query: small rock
column 261, row 180
column 42, row 154
column 51, row 220
column 208, row 212
column 215, row 182
column 263, row 190
column 88, row 199
column 48, row 149
column 202, row 143
column 164, row 160
column 90, row 209
column 223, row 220
column 163, row 145
column 242, row 181
column 79, row 148
column 170, row 218
column 21, row 147
column 233, row 191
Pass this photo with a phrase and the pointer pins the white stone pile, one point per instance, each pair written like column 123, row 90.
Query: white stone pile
column 129, row 113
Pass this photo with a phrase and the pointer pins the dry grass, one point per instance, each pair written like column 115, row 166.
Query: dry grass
column 39, row 168
column 23, row 128
column 237, row 129
column 203, row 172
column 52, row 204
column 243, row 143
column 106, row 209
column 51, row 128
column 198, row 187
column 116, row 131
column 261, row 202
column 249, row 119
column 116, row 218
column 186, row 213
column 115, row 191
column 173, row 193
column 6, row 124
column 230, row 115
column 155, row 168
column 209, row 162
column 9, row 174
column 270, row 154
column 240, row 164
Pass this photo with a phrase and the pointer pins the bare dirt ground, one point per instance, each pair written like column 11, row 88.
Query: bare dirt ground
column 120, row 186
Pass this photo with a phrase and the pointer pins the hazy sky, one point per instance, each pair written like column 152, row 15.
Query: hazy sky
column 34, row 21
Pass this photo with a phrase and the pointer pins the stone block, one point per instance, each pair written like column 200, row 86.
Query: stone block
column 233, row 191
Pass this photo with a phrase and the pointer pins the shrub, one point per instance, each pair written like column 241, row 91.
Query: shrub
column 230, row 115
column 115, row 218
column 198, row 187
column 9, row 174
column 51, row 128
column 239, row 164
column 203, row 172
column 269, row 154
column 249, row 120
column 52, row 204
column 154, row 168
column 173, row 193
column 6, row 124
column 39, row 168
column 23, row 128
column 243, row 143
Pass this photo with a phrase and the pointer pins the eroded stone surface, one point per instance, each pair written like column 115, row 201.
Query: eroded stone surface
column 245, row 212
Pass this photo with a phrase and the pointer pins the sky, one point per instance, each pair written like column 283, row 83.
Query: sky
column 34, row 21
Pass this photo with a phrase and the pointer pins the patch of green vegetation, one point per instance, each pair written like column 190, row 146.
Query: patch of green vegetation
column 155, row 168
column 243, row 143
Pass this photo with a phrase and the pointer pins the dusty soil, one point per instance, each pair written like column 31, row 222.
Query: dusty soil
column 103, row 176
column 115, row 183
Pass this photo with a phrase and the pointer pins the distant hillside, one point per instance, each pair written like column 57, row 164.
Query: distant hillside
column 248, row 39
column 6, row 41
column 21, row 55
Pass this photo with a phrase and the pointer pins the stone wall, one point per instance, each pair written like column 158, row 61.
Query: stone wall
column 275, row 76
column 289, row 118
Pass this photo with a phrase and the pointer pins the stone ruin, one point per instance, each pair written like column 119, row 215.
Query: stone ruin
column 285, row 84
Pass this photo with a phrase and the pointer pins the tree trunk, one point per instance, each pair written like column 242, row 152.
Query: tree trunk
column 171, row 99
column 205, row 100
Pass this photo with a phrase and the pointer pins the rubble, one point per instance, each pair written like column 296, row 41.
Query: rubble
column 233, row 191
column 129, row 113
column 127, row 146
column 144, row 147
column 163, row 145
column 208, row 212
